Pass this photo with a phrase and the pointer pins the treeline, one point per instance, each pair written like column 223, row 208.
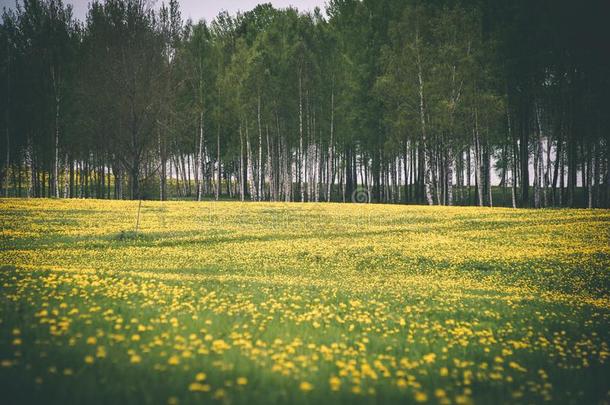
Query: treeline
column 435, row 102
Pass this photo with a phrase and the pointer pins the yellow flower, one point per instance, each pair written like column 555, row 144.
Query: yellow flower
column 242, row 381
column 462, row 400
column 517, row 366
column 100, row 352
column 305, row 386
column 220, row 346
column 173, row 360
column 199, row 387
column 135, row 359
column 200, row 376
column 89, row 359
column 91, row 340
column 421, row 396
column 335, row 383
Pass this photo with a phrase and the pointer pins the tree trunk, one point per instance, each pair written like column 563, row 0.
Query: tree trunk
column 199, row 159
column 330, row 173
column 7, row 116
column 488, row 179
column 301, row 157
column 478, row 159
column 218, row 172
column 449, row 176
column 271, row 180
column 250, row 167
column 513, row 160
column 524, row 152
column 161, row 168
column 260, row 152
column 8, row 156
column 242, row 182
column 422, row 115
column 590, row 175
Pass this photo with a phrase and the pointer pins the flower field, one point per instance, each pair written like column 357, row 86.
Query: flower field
column 301, row 303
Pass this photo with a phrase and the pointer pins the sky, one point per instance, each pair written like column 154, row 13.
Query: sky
column 198, row 9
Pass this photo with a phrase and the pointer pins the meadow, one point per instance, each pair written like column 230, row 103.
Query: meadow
column 302, row 303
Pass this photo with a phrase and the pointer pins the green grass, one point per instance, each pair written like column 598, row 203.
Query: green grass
column 399, row 304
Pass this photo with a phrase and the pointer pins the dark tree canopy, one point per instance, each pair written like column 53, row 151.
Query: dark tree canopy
column 440, row 102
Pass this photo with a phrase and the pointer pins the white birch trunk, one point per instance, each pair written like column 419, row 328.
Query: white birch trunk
column 199, row 160
column 67, row 177
column 55, row 190
column 422, row 112
column 161, row 165
column 271, row 178
column 489, row 191
column 477, row 158
column 250, row 167
column 260, row 153
column 449, row 177
column 513, row 170
column 590, row 175
column 56, row 91
column 7, row 119
column 242, row 183
column 330, row 174
column 8, row 158
column 302, row 173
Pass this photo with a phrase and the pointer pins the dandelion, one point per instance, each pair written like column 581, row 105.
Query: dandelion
column 421, row 397
column 100, row 352
column 335, row 383
column 199, row 387
column 440, row 393
column 305, row 386
column 516, row 366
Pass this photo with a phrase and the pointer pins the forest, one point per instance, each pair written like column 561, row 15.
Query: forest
column 440, row 102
